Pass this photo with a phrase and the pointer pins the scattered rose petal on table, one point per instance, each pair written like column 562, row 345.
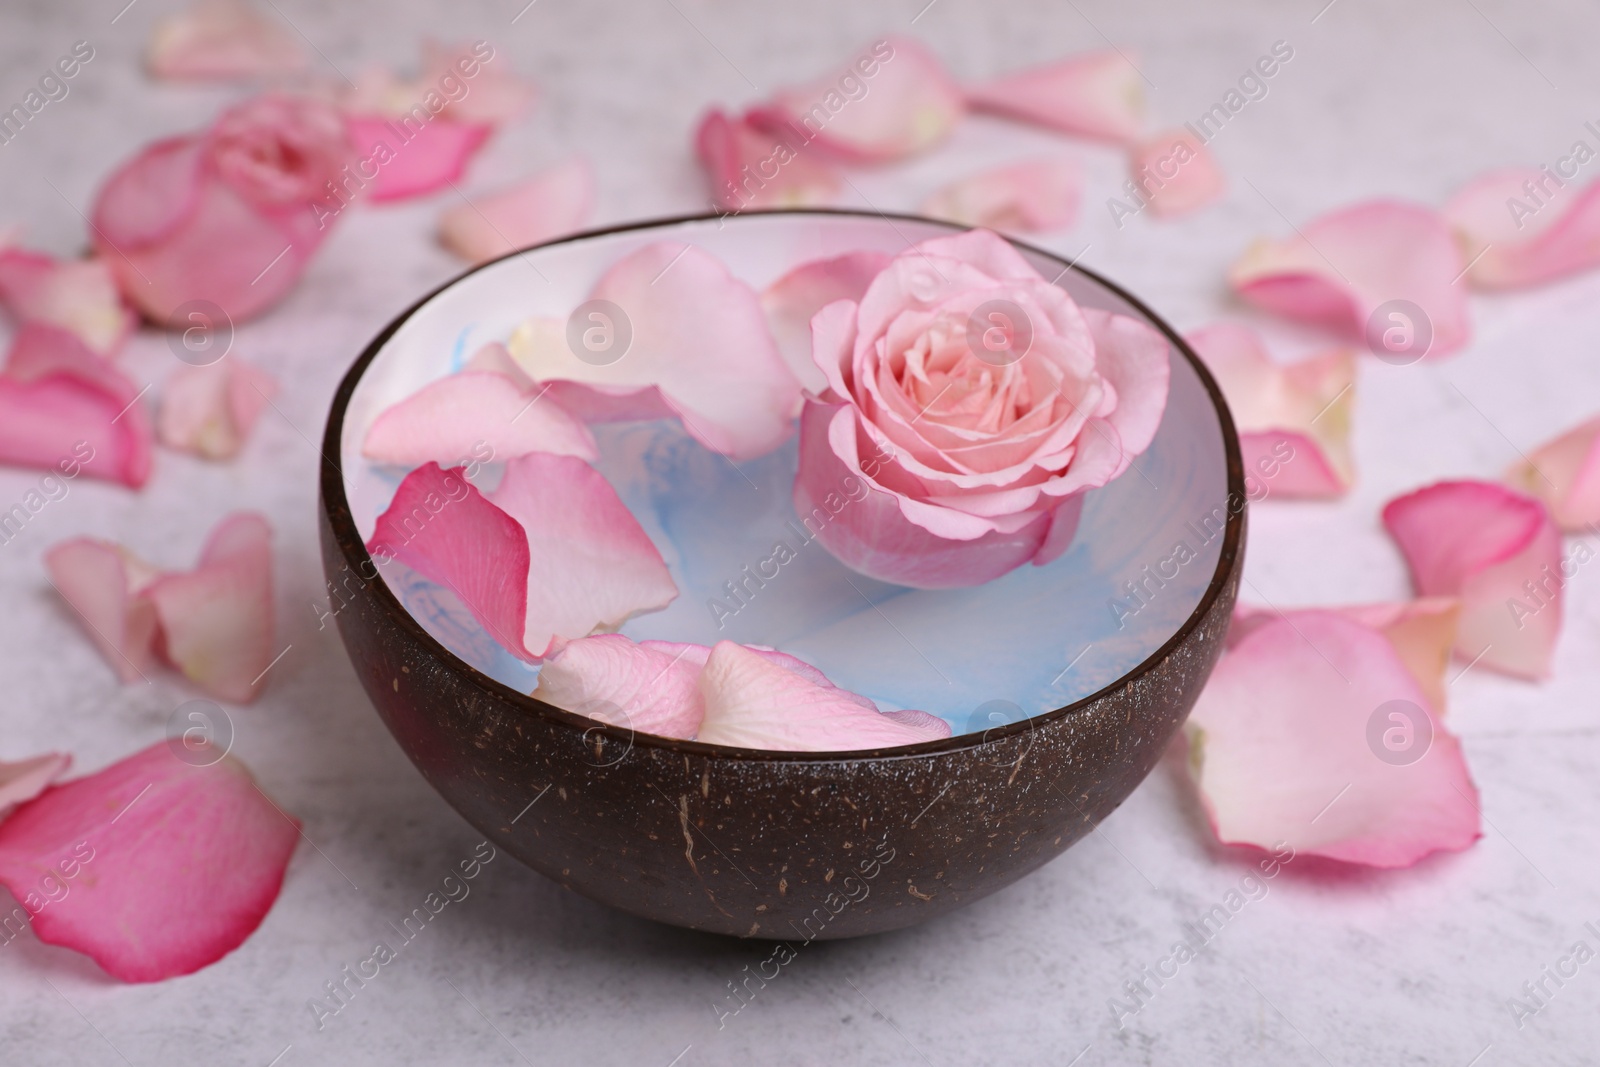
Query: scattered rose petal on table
column 1565, row 474
column 1517, row 231
column 66, row 410
column 1040, row 194
column 468, row 83
column 22, row 780
column 792, row 301
column 1384, row 271
column 1094, row 94
column 105, row 583
column 153, row 867
column 1175, row 173
column 475, row 414
column 222, row 40
column 892, row 99
column 752, row 701
column 687, row 328
column 230, row 216
column 551, row 204
column 1313, row 731
column 211, row 410
column 749, row 167
column 1500, row 553
column 410, row 157
column 1293, row 419
column 75, row 294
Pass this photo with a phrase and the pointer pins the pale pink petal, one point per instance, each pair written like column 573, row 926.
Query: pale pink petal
column 1500, row 553
column 415, row 159
column 753, row 702
column 1281, row 748
column 222, row 40
column 1565, row 474
column 1175, row 172
column 23, row 780
column 443, row 528
column 217, row 620
column 1367, row 270
column 153, row 867
column 892, row 99
column 461, row 416
column 698, row 334
column 591, row 566
column 66, row 410
column 1293, row 419
column 1096, row 94
column 748, row 167
column 1523, row 227
column 104, row 584
column 1063, row 528
column 1041, row 194
column 78, row 295
column 792, row 301
column 495, row 94
column 551, row 204
column 210, row 410
column 643, row 686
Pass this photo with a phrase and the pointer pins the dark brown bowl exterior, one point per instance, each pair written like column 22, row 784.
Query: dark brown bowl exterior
column 786, row 846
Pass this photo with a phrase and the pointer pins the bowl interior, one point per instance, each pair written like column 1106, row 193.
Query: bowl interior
column 1034, row 640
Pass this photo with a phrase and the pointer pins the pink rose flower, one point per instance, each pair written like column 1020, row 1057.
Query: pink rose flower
column 226, row 216
column 969, row 405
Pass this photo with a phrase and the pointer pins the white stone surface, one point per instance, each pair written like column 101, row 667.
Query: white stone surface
column 1333, row 967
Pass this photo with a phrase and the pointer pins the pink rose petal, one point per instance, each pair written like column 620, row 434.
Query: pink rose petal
column 477, row 414
column 211, row 410
column 1521, row 228
column 65, row 409
column 1095, row 94
column 1348, row 269
column 166, row 866
column 1175, row 172
column 1500, row 553
column 1293, row 420
column 792, row 301
column 1565, row 474
column 753, row 702
column 105, row 584
column 409, row 159
column 551, row 204
column 698, row 335
column 1281, row 746
column 892, row 99
column 222, row 40
column 752, row 168
column 649, row 686
column 1041, row 194
column 78, row 295
column 22, row 780
column 495, row 94
column 217, row 620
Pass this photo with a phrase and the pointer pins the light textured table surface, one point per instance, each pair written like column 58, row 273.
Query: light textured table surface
column 1332, row 967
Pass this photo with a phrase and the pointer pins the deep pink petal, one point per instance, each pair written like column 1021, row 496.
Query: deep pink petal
column 1565, row 474
column 104, row 585
column 749, row 167
column 698, row 334
column 22, row 780
column 217, row 620
column 1041, row 194
column 222, row 40
column 638, row 686
column 1293, row 420
column 753, row 702
column 794, row 299
column 210, row 410
column 1521, row 229
column 1096, row 94
column 591, row 566
column 78, row 295
column 1346, row 269
column 1176, row 172
column 551, row 204
column 156, row 866
column 456, row 418
column 1500, row 553
column 890, row 100
column 413, row 160
column 1280, row 748
column 65, row 410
